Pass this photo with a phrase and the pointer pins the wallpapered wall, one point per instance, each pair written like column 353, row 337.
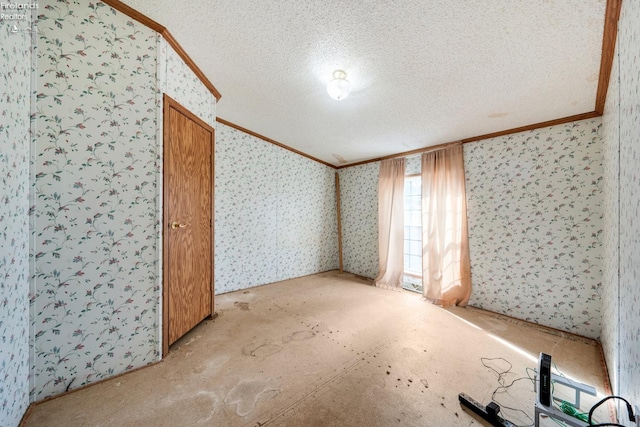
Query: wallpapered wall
column 15, row 80
column 629, row 52
column 178, row 81
column 96, row 223
column 98, row 178
column 621, row 331
column 359, row 214
column 96, row 214
column 275, row 213
column 611, row 224
column 535, row 225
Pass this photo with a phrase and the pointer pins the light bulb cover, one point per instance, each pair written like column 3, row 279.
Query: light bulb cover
column 339, row 87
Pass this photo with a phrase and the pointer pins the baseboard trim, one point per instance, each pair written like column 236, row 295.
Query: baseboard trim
column 86, row 386
column 26, row 415
column 548, row 329
column 613, row 411
column 278, row 281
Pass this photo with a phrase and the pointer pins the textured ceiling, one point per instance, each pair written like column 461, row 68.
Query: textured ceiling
column 423, row 72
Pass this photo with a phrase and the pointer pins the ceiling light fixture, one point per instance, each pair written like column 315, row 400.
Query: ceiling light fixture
column 339, row 87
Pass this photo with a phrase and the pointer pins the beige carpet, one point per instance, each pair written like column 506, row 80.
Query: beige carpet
column 330, row 350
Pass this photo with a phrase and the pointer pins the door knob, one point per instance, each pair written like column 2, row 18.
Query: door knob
column 175, row 225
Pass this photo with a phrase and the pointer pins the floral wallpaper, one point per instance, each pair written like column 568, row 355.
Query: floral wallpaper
column 275, row 213
column 96, row 176
column 181, row 84
column 623, row 155
column 611, row 224
column 535, row 225
column 413, row 165
column 245, row 211
column 96, row 160
column 307, row 224
column 359, row 214
column 15, row 81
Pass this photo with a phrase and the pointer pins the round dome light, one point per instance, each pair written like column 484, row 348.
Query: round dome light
column 339, row 87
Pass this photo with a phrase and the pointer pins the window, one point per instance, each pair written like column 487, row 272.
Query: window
column 412, row 279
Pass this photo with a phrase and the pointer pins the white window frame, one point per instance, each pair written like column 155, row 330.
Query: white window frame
column 412, row 221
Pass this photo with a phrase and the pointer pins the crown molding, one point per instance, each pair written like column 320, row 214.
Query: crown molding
column 273, row 141
column 611, row 17
column 159, row 28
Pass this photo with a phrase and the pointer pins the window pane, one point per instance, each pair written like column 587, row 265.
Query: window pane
column 416, row 187
column 412, row 226
column 415, row 233
column 413, row 203
column 415, row 263
column 415, row 247
column 415, row 218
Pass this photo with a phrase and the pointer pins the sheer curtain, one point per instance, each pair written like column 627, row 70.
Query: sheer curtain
column 446, row 270
column 391, row 224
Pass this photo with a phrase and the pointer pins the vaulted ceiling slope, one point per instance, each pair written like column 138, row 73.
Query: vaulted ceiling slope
column 423, row 72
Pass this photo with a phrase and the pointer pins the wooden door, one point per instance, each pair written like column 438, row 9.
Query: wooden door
column 188, row 221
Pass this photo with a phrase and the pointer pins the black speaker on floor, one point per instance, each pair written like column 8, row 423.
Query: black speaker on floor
column 544, row 374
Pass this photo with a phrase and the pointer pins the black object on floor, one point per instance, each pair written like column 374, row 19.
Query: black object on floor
column 544, row 369
column 488, row 413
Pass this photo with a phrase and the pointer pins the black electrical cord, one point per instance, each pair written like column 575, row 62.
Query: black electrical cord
column 593, row 408
column 505, row 387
